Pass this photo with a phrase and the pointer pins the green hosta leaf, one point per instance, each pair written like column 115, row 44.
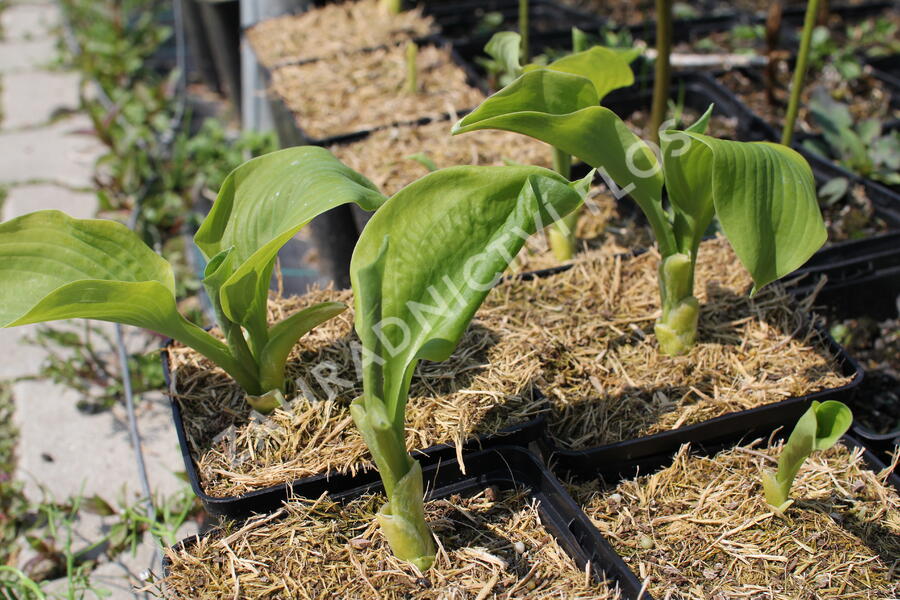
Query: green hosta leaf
column 55, row 267
column 505, row 48
column 263, row 204
column 428, row 257
column 765, row 200
column 607, row 69
column 560, row 109
column 833, row 420
column 283, row 336
column 688, row 172
column 820, row 428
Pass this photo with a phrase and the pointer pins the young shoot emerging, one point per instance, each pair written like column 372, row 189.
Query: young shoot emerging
column 423, row 265
column 412, row 68
column 609, row 70
column 762, row 194
column 820, row 428
column 55, row 267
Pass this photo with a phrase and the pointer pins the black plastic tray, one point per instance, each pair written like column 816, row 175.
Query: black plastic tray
column 870, row 293
column 459, row 21
column 717, row 430
column 508, row 467
column 598, row 467
column 270, row 498
column 848, row 264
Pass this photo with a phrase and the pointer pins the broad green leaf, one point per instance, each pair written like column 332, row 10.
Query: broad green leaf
column 263, row 204
column 702, row 124
column 833, row 419
column 428, row 257
column 688, row 173
column 505, row 48
column 55, row 267
column 607, row 69
column 550, row 106
column 765, row 200
column 283, row 336
column 819, row 428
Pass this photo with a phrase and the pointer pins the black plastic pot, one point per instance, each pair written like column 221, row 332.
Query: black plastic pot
column 466, row 22
column 848, row 12
column 508, row 467
column 222, row 23
column 746, row 422
column 270, row 498
column 598, row 466
column 867, row 287
column 847, row 265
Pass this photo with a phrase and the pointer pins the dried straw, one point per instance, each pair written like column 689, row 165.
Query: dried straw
column 319, row 549
column 484, row 386
column 335, row 28
column 383, row 156
column 366, row 90
column 701, row 528
column 592, row 327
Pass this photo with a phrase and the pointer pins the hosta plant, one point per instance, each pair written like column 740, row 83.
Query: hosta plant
column 55, row 267
column 820, row 428
column 422, row 266
column 608, row 69
column 762, row 194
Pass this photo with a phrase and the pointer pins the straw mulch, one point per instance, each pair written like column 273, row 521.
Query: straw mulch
column 485, row 386
column 592, row 327
column 333, row 29
column 319, row 549
column 701, row 528
column 383, row 156
column 366, row 90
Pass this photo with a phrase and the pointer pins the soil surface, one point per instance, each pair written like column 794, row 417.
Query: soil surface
column 700, row 528
column 366, row 90
column 336, row 28
column 485, row 386
column 592, row 327
column 492, row 545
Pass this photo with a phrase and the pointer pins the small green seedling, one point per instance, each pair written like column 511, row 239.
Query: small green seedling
column 55, row 267
column 610, row 69
column 820, row 428
column 412, row 68
column 423, row 265
column 860, row 147
column 762, row 194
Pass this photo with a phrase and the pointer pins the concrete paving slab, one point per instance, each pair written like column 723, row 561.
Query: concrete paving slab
column 61, row 447
column 27, row 55
column 23, row 199
column 63, row 152
column 32, row 98
column 29, row 21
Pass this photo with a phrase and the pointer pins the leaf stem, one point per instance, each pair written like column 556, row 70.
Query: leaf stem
column 524, row 31
column 809, row 23
column 663, row 69
column 561, row 233
column 676, row 329
column 190, row 335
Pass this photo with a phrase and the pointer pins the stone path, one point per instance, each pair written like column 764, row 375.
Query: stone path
column 48, row 155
